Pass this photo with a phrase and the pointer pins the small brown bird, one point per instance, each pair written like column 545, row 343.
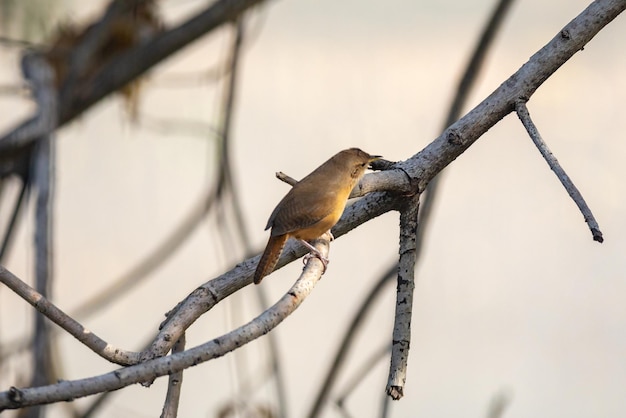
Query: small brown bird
column 313, row 206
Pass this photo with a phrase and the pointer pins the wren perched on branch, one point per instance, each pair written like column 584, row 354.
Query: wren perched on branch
column 313, row 206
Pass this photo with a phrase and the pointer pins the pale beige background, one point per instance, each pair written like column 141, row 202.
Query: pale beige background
column 512, row 293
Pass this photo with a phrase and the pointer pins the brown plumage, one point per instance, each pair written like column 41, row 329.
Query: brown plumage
column 313, row 205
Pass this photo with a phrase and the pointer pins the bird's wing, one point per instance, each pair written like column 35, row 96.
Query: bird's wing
column 301, row 211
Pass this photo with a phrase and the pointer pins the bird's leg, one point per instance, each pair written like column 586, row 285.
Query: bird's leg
column 314, row 253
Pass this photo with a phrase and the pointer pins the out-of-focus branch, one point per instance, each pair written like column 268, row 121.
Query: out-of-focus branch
column 477, row 59
column 42, row 175
column 499, row 403
column 15, row 145
column 92, row 41
column 8, row 234
column 134, row 63
column 37, row 71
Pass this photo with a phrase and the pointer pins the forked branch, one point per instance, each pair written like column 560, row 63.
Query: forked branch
column 151, row 369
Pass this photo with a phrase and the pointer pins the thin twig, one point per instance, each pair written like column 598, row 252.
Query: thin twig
column 175, row 383
column 286, row 178
column 572, row 190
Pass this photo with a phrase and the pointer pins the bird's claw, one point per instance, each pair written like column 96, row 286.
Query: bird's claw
column 323, row 259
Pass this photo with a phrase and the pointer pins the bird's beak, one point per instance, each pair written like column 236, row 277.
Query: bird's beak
column 374, row 158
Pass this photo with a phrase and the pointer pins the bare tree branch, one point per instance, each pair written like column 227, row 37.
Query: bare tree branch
column 170, row 408
column 56, row 315
column 572, row 190
column 404, row 298
column 151, row 369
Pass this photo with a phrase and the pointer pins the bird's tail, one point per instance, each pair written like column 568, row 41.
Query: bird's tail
column 270, row 257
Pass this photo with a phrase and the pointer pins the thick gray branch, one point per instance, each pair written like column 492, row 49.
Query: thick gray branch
column 118, row 73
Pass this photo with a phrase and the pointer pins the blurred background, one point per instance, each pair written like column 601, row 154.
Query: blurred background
column 514, row 302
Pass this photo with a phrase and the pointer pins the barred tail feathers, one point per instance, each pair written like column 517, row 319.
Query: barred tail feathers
column 270, row 257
